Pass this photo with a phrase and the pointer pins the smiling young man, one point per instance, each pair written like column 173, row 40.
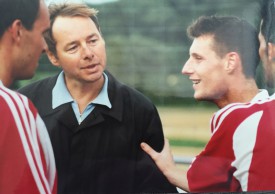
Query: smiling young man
column 95, row 123
column 239, row 155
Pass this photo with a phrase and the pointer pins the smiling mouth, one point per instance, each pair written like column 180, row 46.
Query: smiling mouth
column 195, row 82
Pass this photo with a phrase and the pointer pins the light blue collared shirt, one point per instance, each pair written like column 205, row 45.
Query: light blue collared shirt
column 61, row 95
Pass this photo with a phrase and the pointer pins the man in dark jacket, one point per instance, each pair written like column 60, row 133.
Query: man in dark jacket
column 95, row 123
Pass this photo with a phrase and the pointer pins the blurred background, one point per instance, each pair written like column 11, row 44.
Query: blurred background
column 147, row 46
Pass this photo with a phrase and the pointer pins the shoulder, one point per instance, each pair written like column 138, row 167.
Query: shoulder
column 14, row 101
column 235, row 114
column 116, row 89
column 49, row 81
column 39, row 87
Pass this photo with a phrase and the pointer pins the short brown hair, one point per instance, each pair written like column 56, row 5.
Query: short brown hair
column 26, row 11
column 67, row 10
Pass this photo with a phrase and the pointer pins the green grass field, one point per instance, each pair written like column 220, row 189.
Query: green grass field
column 187, row 128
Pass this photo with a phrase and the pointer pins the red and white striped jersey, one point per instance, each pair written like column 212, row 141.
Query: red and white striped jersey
column 26, row 157
column 240, row 155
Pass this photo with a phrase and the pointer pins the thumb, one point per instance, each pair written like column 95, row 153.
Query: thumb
column 150, row 151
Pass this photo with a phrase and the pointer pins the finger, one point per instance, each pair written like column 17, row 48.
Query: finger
column 150, row 151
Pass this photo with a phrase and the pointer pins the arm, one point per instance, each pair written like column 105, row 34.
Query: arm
column 164, row 161
column 151, row 179
column 26, row 173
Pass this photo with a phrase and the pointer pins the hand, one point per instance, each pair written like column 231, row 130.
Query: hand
column 165, row 162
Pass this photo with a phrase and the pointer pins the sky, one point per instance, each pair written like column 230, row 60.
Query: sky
column 80, row 1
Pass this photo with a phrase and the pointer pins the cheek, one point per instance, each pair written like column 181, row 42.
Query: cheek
column 101, row 52
column 68, row 59
column 215, row 79
column 38, row 41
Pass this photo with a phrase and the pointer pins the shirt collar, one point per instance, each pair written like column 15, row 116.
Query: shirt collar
column 103, row 97
column 61, row 95
column 261, row 95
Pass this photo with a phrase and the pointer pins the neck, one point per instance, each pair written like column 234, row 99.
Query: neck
column 7, row 59
column 6, row 75
column 239, row 94
column 84, row 93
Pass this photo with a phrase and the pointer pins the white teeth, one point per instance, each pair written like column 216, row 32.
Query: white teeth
column 196, row 81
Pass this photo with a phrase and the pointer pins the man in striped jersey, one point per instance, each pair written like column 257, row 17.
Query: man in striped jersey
column 26, row 157
column 239, row 155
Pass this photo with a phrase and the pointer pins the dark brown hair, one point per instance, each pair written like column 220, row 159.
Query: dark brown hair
column 24, row 10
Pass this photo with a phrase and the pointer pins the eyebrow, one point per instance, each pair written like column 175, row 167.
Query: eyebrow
column 93, row 34
column 195, row 55
column 89, row 36
column 75, row 42
column 70, row 43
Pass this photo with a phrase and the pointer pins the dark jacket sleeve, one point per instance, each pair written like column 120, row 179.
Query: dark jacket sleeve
column 149, row 129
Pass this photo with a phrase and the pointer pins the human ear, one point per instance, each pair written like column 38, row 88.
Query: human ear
column 16, row 30
column 52, row 58
column 232, row 61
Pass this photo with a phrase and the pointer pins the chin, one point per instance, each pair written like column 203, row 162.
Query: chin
column 203, row 98
column 198, row 98
column 94, row 78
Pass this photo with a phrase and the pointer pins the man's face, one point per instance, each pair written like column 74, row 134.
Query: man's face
column 80, row 49
column 205, row 69
column 32, row 45
column 267, row 64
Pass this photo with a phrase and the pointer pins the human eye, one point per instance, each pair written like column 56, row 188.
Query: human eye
column 198, row 58
column 92, row 41
column 71, row 48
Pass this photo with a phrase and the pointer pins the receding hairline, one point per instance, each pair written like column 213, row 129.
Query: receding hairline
column 68, row 18
column 71, row 9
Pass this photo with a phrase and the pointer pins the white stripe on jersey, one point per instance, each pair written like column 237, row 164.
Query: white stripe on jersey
column 260, row 98
column 243, row 150
column 23, row 136
column 43, row 136
column 31, row 132
column 223, row 113
column 47, row 148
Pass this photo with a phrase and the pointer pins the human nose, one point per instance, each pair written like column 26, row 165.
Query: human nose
column 187, row 68
column 87, row 51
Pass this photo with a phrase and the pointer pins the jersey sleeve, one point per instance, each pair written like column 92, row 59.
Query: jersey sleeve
column 237, row 157
column 23, row 166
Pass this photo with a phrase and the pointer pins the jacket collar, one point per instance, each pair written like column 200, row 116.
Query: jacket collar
column 61, row 95
column 65, row 113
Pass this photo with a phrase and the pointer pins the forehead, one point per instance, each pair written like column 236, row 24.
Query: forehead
column 63, row 24
column 202, row 44
column 72, row 29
